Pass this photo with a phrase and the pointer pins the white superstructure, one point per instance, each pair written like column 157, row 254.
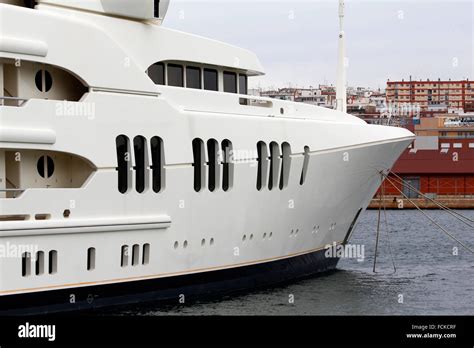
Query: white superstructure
column 132, row 152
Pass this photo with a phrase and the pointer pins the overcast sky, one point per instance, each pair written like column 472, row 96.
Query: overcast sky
column 296, row 40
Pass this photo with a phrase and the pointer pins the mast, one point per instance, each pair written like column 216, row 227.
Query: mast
column 341, row 92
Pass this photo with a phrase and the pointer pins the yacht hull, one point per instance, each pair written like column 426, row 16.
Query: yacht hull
column 177, row 290
column 324, row 214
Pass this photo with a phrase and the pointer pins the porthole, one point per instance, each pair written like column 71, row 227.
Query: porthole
column 45, row 167
column 264, row 235
column 176, row 245
column 244, row 238
column 90, row 259
column 146, row 254
column 203, row 242
column 53, row 262
column 124, row 256
column 26, row 264
column 251, row 237
column 66, row 213
column 43, row 80
column 135, row 254
column 271, row 235
column 185, row 244
column 212, row 241
column 39, row 263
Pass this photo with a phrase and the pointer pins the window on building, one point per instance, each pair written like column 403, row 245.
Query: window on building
column 157, row 73
column 243, row 84
column 230, row 82
column 211, row 82
column 193, row 77
column 175, row 75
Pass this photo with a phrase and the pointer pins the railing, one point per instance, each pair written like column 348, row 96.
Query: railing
column 14, row 191
column 20, row 101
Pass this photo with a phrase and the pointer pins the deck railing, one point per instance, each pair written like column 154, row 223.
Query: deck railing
column 15, row 192
column 20, row 101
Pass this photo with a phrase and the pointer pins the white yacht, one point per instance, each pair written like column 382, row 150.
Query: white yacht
column 135, row 167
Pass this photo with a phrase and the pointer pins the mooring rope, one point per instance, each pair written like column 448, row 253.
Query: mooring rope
column 457, row 215
column 378, row 228
column 427, row 216
column 388, row 232
column 382, row 203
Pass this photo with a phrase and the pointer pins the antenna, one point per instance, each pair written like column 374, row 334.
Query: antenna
column 341, row 92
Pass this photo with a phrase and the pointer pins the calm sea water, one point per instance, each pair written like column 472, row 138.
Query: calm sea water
column 429, row 279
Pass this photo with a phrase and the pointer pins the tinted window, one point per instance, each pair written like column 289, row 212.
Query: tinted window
column 230, row 82
column 139, row 144
column 262, row 169
column 227, row 166
column 43, row 80
column 157, row 73
column 210, row 80
column 243, row 89
column 157, row 156
column 193, row 77
column 122, row 144
column 212, row 150
column 199, row 158
column 175, row 75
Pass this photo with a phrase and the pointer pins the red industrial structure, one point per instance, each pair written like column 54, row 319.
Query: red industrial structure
column 444, row 171
column 439, row 164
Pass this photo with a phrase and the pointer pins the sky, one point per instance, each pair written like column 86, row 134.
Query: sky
column 296, row 40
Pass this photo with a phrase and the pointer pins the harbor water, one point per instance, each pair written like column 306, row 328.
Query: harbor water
column 434, row 276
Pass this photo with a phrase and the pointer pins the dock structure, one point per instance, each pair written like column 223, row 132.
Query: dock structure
column 400, row 203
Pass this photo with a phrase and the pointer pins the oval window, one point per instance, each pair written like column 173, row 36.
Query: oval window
column 43, row 80
column 45, row 166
